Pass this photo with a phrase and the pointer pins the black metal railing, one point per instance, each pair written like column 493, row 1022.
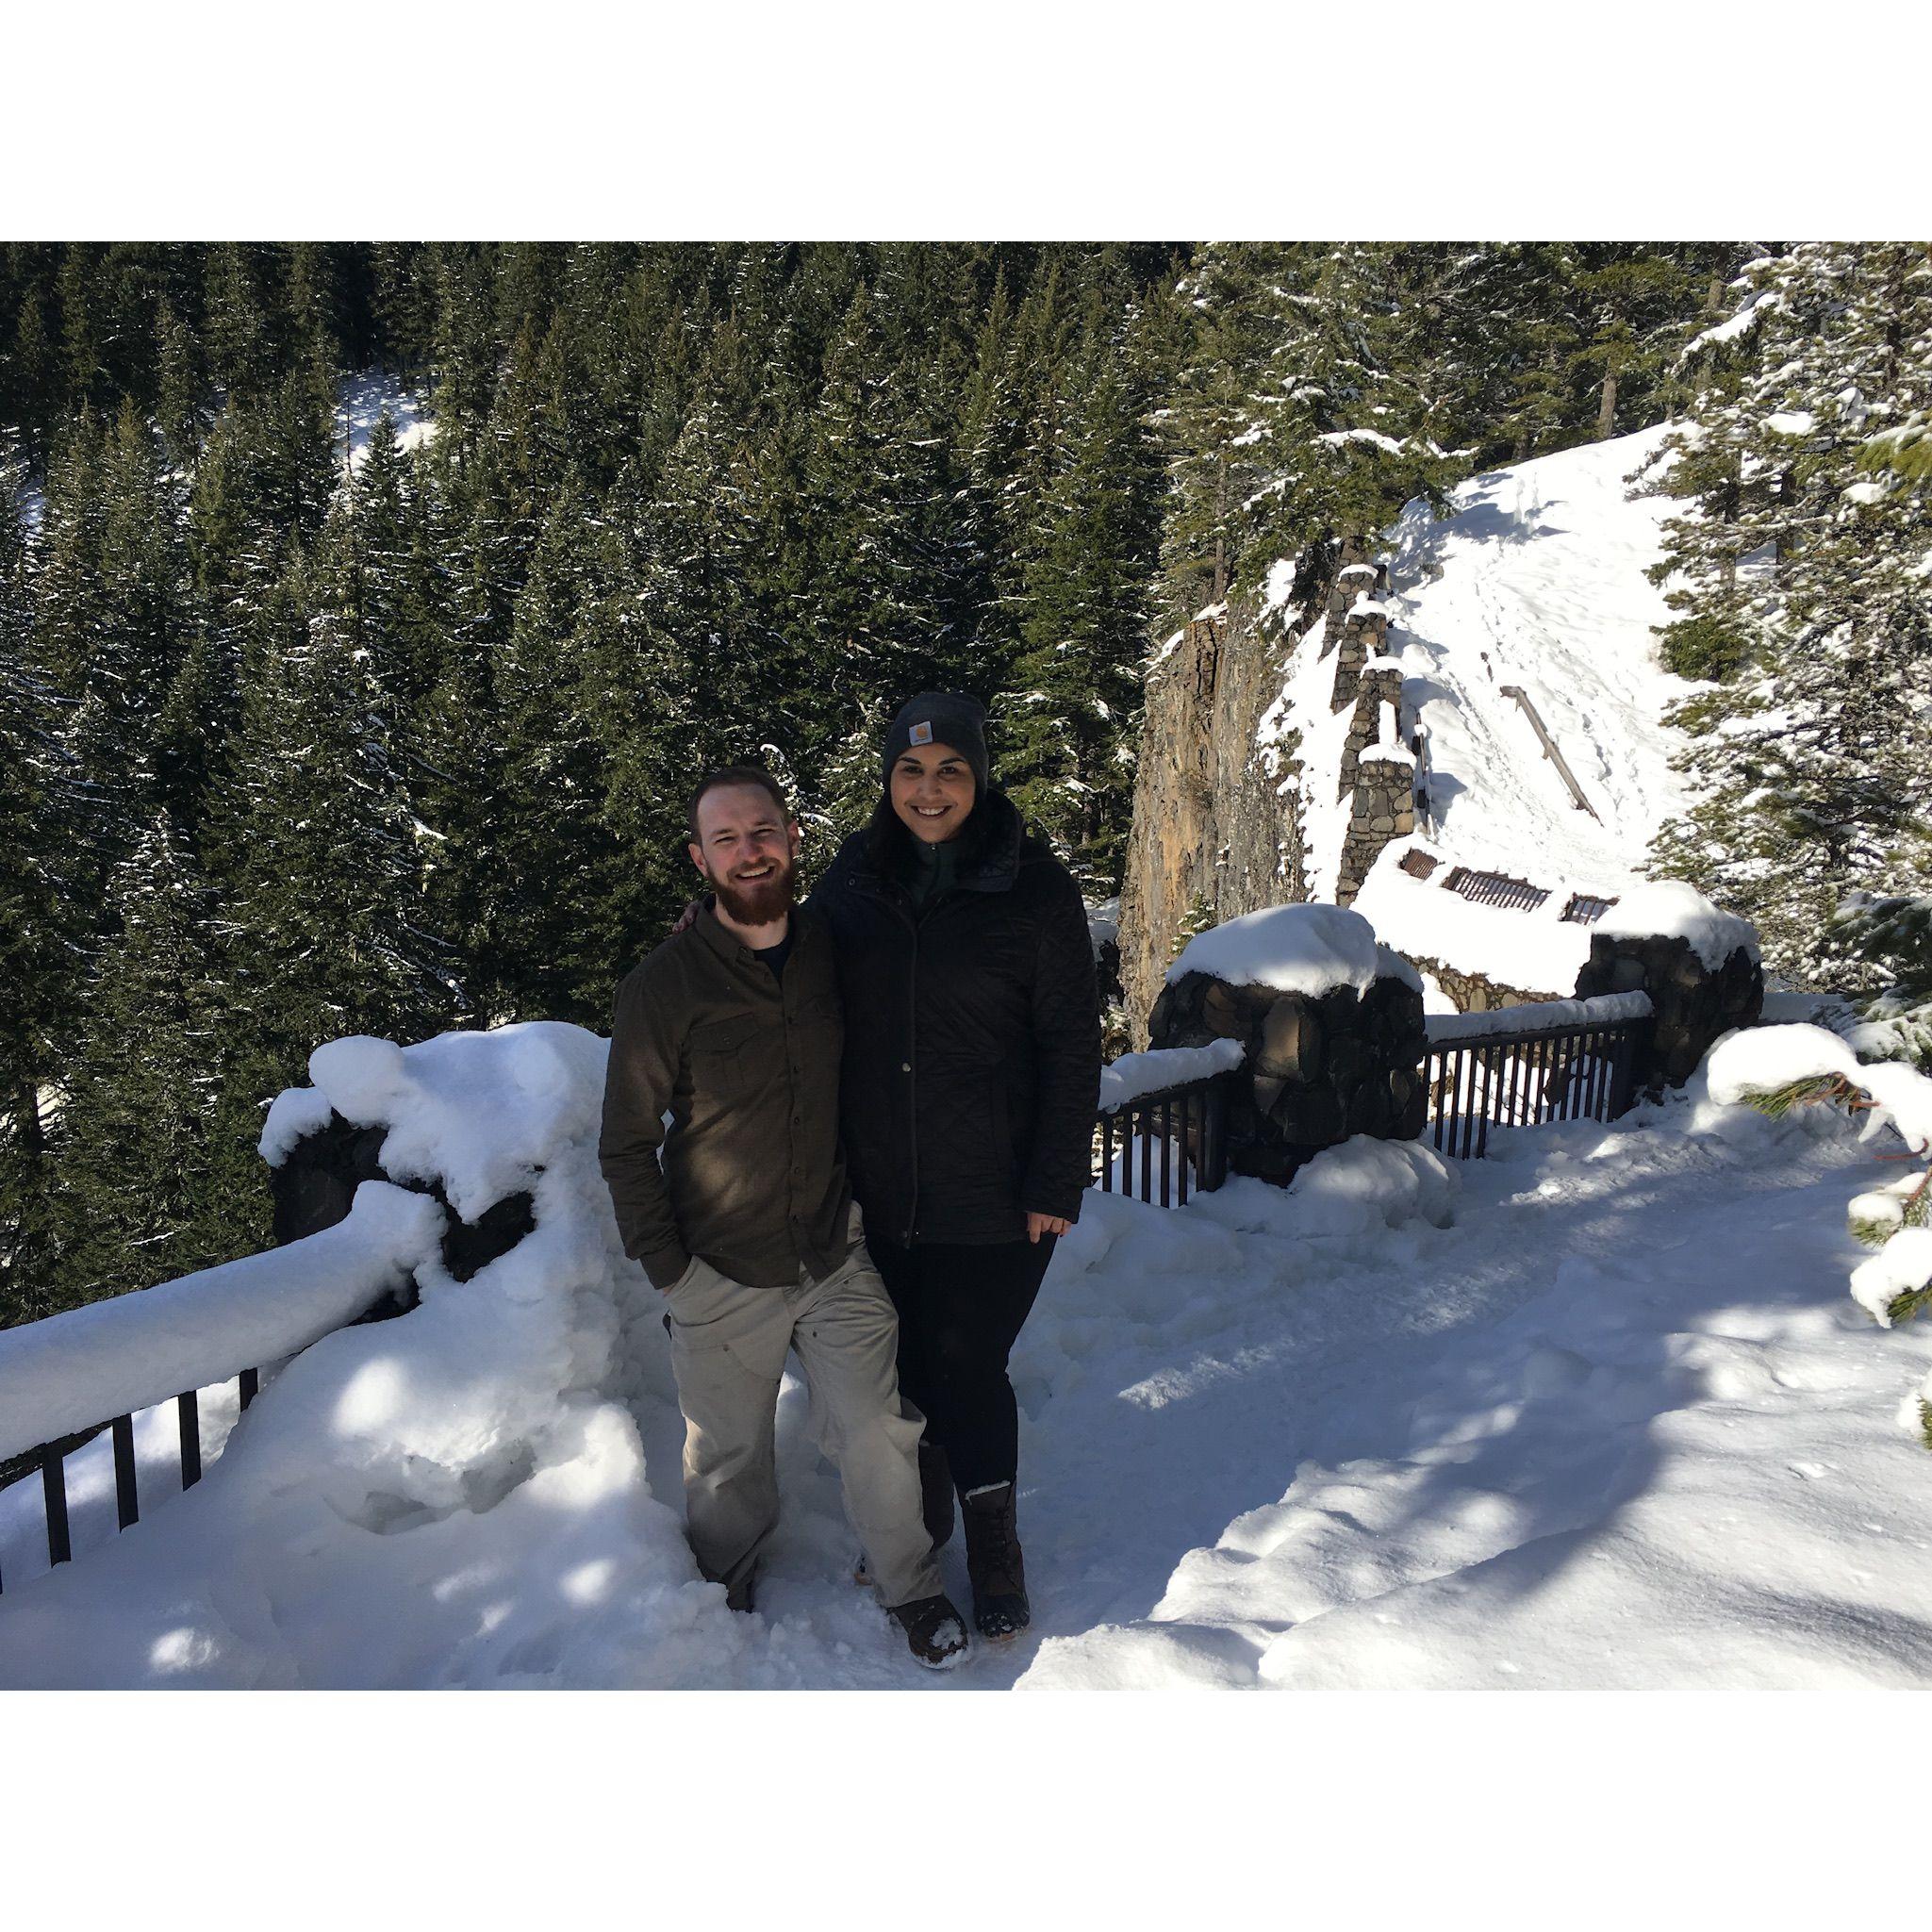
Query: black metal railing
column 1495, row 888
column 50, row 1458
column 1586, row 908
column 1530, row 1076
column 1160, row 1139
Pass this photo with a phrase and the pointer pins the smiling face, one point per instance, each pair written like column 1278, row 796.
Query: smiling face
column 931, row 792
column 748, row 850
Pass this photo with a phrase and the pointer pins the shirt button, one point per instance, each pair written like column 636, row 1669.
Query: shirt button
column 905, row 1066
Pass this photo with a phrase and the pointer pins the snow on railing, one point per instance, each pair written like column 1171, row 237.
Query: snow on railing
column 1539, row 1017
column 1164, row 1112
column 1135, row 1075
column 110, row 1358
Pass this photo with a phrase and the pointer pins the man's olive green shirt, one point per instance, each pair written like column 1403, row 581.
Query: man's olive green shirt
column 753, row 1178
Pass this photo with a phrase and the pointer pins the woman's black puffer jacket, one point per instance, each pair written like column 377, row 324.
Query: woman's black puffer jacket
column 972, row 1040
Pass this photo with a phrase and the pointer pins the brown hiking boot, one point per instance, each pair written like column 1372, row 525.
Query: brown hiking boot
column 995, row 1563
column 934, row 1632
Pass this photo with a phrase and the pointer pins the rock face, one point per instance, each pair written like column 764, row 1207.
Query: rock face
column 1694, row 1004
column 1216, row 825
column 1318, row 1068
column 1217, row 818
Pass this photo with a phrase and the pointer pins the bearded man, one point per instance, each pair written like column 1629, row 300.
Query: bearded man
column 733, row 1028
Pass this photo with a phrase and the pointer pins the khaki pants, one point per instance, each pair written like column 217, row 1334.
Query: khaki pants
column 727, row 1347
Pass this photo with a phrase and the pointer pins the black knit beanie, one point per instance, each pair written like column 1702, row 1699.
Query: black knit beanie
column 938, row 718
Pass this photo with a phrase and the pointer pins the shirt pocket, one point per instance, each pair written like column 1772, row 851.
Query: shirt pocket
column 728, row 1058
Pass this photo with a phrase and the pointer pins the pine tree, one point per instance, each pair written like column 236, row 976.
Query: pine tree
column 1066, row 721
column 1813, row 763
column 325, row 926
column 140, row 1196
column 37, row 924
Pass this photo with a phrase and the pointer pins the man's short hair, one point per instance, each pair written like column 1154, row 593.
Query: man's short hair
column 734, row 774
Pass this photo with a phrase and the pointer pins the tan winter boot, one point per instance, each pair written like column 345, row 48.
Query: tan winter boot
column 995, row 1563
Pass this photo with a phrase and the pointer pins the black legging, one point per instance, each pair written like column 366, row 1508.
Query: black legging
column 960, row 1311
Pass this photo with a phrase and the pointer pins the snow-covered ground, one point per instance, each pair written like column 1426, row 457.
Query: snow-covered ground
column 360, row 402
column 1537, row 580
column 1595, row 1411
column 1537, row 583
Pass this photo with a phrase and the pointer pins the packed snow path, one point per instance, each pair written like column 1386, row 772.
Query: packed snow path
column 1537, row 580
column 1619, row 1424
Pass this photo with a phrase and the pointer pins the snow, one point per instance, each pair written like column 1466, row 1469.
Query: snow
column 1792, row 422
column 1625, row 1460
column 1301, row 707
column 1536, row 579
column 1593, row 1411
column 1135, row 1075
column 1390, row 964
column 1903, row 1097
column 360, row 402
column 1747, row 317
column 1104, row 922
column 1902, row 1265
column 110, row 1358
column 1760, row 1059
column 1336, row 437
column 293, row 1115
column 1764, row 1059
column 1535, row 951
column 1366, row 1184
column 1668, row 908
column 1291, row 949
column 477, row 1112
column 1538, row 1017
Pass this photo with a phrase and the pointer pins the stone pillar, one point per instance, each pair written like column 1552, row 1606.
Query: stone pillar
column 1380, row 683
column 1356, row 635
column 1384, row 809
column 1701, row 970
column 1320, row 1068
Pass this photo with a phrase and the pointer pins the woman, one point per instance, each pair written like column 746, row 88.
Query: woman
column 968, row 1088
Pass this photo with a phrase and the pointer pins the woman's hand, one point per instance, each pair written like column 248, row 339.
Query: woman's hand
column 1038, row 1225
column 688, row 916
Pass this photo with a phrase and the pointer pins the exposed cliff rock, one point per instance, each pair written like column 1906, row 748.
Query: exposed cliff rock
column 1215, row 826
column 1221, row 825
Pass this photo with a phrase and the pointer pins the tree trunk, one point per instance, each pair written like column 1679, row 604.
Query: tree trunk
column 1606, row 414
column 1220, row 585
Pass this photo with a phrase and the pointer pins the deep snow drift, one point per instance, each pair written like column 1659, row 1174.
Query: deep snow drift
column 1598, row 1409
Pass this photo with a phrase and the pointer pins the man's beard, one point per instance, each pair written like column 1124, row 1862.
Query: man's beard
column 756, row 902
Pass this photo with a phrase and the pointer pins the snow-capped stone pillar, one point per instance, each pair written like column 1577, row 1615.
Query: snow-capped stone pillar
column 1699, row 965
column 1331, row 1024
column 1358, row 626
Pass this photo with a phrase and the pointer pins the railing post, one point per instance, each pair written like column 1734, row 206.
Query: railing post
column 127, row 1504
column 54, row 1494
column 1214, row 1168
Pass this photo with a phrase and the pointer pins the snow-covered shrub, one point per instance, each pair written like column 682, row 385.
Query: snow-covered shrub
column 1777, row 1069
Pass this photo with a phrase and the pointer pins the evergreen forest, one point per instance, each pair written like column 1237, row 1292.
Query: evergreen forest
column 308, row 728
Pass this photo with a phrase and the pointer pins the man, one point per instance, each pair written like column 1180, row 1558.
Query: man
column 733, row 1027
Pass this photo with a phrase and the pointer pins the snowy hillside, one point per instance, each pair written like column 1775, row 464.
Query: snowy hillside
column 1409, row 1421
column 1538, row 581
column 1535, row 583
